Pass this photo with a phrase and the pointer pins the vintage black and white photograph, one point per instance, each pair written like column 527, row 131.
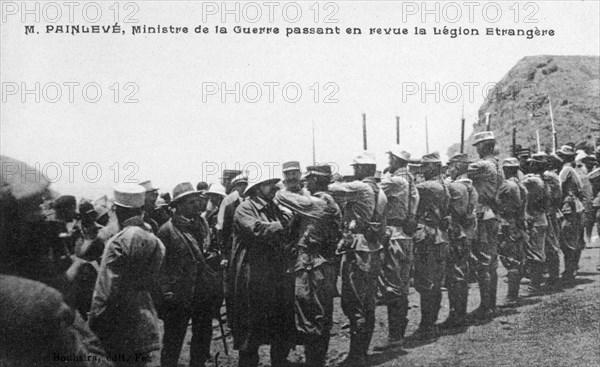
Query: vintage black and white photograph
column 342, row 183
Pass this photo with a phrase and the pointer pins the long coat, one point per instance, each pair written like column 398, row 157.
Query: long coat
column 122, row 313
column 263, row 292
column 184, row 271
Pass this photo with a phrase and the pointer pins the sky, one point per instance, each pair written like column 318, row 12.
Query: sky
column 180, row 126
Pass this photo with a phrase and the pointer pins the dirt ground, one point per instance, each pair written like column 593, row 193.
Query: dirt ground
column 555, row 329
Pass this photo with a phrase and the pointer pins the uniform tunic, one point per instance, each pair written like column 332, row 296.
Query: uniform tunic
column 487, row 178
column 553, row 214
column 512, row 198
column 431, row 239
column 316, row 236
column 463, row 199
column 362, row 232
column 397, row 256
column 537, row 206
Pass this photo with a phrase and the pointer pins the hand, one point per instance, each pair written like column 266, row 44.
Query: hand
column 73, row 270
column 224, row 264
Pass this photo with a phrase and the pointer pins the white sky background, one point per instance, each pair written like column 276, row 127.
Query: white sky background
column 170, row 132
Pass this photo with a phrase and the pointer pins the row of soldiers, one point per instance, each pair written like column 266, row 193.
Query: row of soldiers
column 436, row 230
column 274, row 250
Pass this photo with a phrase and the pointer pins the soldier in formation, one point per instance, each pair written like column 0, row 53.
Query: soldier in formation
column 276, row 249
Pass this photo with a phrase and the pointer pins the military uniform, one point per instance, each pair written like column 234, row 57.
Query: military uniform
column 512, row 205
column 553, row 233
column 315, row 235
column 571, row 242
column 487, row 178
column 397, row 255
column 431, row 245
column 537, row 205
column 463, row 230
column 363, row 229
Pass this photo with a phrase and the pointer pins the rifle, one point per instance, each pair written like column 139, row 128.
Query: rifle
column 462, row 129
column 554, row 140
column 514, row 142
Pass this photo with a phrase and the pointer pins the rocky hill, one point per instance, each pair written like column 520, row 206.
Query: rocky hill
column 522, row 100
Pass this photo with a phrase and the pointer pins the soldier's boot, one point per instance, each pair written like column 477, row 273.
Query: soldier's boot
column 493, row 291
column 248, row 360
column 427, row 329
column 535, row 287
column 357, row 356
column 553, row 265
column 279, row 353
column 397, row 322
column 512, row 296
column 458, row 297
column 483, row 312
column 316, row 353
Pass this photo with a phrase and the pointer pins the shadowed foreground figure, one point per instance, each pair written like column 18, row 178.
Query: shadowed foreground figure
column 37, row 327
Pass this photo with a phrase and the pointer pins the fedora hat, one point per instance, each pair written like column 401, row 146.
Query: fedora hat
column 183, row 190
